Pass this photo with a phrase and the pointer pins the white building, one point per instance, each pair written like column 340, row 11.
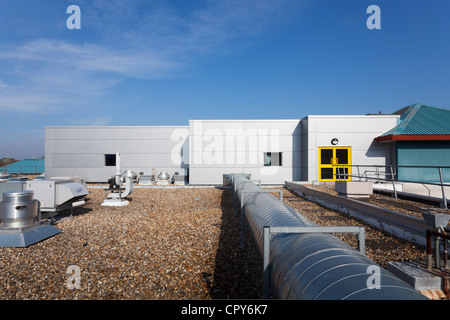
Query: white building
column 273, row 151
column 90, row 152
column 348, row 139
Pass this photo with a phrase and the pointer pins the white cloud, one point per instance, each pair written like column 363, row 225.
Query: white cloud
column 52, row 76
column 212, row 27
column 91, row 58
column 129, row 39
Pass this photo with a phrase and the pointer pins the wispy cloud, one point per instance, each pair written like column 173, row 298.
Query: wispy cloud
column 130, row 39
column 49, row 74
column 209, row 26
column 91, row 58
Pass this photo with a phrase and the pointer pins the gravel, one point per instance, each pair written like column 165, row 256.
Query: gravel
column 399, row 202
column 381, row 247
column 168, row 243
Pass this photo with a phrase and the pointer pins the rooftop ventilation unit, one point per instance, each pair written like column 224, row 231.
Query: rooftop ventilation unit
column 116, row 197
column 18, row 213
column 57, row 194
column 163, row 179
column 53, row 194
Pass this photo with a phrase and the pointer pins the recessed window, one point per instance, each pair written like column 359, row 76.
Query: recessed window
column 326, row 173
column 273, row 159
column 325, row 156
column 110, row 160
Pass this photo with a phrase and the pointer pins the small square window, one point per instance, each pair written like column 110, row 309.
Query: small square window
column 273, row 159
column 110, row 160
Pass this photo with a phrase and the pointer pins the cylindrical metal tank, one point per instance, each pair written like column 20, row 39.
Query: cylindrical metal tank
column 313, row 266
column 18, row 209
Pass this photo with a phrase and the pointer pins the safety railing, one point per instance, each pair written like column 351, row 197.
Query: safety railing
column 19, row 170
column 389, row 173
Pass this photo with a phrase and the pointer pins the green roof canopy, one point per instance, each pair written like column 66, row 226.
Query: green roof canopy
column 420, row 122
column 26, row 166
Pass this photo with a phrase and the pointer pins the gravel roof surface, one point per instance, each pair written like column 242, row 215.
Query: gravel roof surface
column 166, row 244
column 180, row 243
column 381, row 247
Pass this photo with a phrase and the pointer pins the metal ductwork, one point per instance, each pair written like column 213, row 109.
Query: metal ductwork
column 18, row 214
column 116, row 197
column 310, row 265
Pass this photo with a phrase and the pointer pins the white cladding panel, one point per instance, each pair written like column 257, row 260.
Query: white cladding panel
column 238, row 146
column 357, row 132
column 112, row 133
column 81, row 150
column 211, row 148
column 106, row 146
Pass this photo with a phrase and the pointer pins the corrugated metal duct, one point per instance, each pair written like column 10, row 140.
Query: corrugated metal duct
column 312, row 266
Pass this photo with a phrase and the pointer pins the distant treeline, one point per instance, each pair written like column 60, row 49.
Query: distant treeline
column 6, row 161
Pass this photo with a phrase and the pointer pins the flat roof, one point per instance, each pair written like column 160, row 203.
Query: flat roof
column 354, row 116
column 244, row 120
column 111, row 127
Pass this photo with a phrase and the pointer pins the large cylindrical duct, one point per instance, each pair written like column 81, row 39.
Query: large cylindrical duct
column 312, row 266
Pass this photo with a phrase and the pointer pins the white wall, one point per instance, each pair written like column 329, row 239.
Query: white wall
column 211, row 148
column 357, row 132
column 80, row 150
column 220, row 147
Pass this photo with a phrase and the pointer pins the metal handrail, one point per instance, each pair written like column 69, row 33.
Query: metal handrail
column 7, row 168
column 392, row 173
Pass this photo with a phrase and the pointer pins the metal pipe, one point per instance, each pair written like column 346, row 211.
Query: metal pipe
column 445, row 254
column 430, row 233
column 437, row 252
column 118, row 174
column 312, row 265
column 429, row 251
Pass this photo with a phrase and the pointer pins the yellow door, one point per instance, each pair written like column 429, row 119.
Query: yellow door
column 332, row 161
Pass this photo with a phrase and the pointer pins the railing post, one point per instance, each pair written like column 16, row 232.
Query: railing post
column 393, row 183
column 362, row 240
column 444, row 198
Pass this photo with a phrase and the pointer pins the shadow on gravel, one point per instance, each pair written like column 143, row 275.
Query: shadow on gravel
column 67, row 213
column 237, row 274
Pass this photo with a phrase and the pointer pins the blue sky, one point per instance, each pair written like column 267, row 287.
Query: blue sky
column 142, row 62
